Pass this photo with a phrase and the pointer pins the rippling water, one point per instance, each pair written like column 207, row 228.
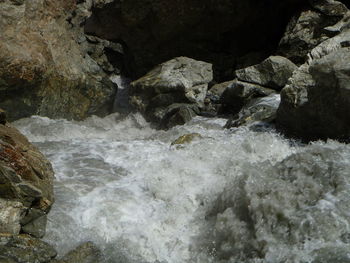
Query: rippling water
column 232, row 196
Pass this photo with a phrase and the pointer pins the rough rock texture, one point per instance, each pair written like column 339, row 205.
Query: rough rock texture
column 238, row 93
column 316, row 104
column 273, row 72
column 26, row 185
column 329, row 7
column 24, row 249
column 257, row 110
column 169, row 87
column 218, row 32
column 43, row 70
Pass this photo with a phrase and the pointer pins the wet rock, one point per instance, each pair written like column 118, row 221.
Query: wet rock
column 85, row 253
column 43, row 70
column 25, row 249
column 186, row 138
column 315, row 105
column 238, row 93
column 273, row 72
column 26, row 181
column 11, row 213
column 257, row 110
column 180, row 80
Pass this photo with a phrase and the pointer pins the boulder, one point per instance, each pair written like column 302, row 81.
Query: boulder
column 329, row 7
column 180, row 80
column 43, row 69
column 186, row 138
column 25, row 249
column 257, row 110
column 26, row 183
column 273, row 72
column 238, row 93
column 316, row 102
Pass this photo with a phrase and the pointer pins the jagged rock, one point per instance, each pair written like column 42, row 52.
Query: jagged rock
column 315, row 104
column 156, row 31
column 85, row 253
column 43, row 70
column 25, row 249
column 329, row 7
column 11, row 213
column 258, row 110
column 238, row 93
column 273, row 72
column 26, row 177
column 180, row 80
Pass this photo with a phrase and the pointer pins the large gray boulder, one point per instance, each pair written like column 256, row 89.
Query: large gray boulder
column 181, row 80
column 273, row 72
column 316, row 103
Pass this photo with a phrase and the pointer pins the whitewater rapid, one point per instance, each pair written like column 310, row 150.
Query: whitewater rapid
column 239, row 195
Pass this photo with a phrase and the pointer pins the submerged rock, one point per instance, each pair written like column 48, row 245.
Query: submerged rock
column 186, row 138
column 178, row 81
column 238, row 93
column 273, row 72
column 258, row 110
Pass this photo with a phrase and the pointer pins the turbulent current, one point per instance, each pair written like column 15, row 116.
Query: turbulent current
column 241, row 195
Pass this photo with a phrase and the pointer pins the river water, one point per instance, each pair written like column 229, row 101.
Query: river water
column 240, row 195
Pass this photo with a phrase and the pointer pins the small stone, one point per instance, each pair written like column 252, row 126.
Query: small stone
column 186, row 138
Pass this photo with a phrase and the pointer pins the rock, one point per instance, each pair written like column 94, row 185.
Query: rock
column 258, row 110
column 25, row 249
column 304, row 32
column 273, row 72
column 180, row 80
column 11, row 213
column 186, row 138
column 153, row 31
column 26, row 181
column 315, row 104
column 43, row 69
column 238, row 93
column 329, row 7
column 85, row 253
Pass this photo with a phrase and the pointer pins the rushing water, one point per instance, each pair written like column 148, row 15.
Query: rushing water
column 231, row 196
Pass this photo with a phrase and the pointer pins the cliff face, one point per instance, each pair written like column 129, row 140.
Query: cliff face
column 43, row 69
column 220, row 32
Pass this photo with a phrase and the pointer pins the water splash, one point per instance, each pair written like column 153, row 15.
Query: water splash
column 232, row 196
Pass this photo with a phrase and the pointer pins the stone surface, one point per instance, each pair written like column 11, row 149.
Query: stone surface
column 238, row 93
column 273, row 72
column 25, row 249
column 315, row 105
column 11, row 213
column 180, row 80
column 329, row 7
column 258, row 110
column 218, row 32
column 43, row 69
column 186, row 138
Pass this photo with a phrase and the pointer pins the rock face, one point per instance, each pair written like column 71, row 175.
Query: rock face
column 218, row 32
column 85, row 253
column 172, row 92
column 26, row 185
column 316, row 103
column 273, row 72
column 43, row 70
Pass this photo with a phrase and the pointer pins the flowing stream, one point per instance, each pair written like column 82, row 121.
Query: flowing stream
column 241, row 195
